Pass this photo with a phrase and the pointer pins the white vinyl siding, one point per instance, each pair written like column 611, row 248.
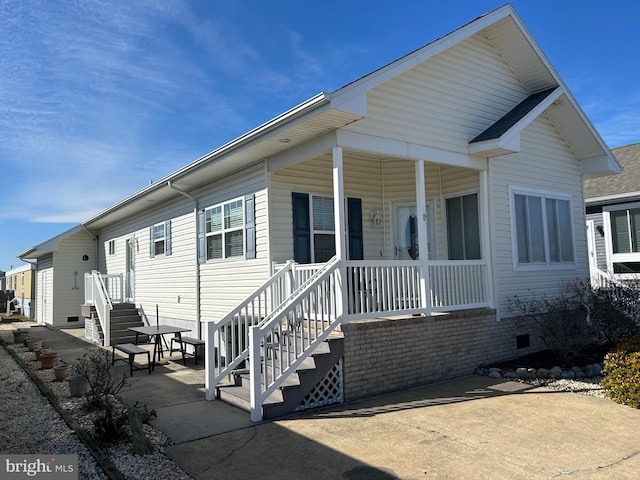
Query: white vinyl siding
column 545, row 163
column 378, row 184
column 445, row 101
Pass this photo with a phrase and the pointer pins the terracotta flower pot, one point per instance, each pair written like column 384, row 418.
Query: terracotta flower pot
column 48, row 360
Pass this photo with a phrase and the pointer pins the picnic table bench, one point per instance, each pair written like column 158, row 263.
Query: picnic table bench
column 131, row 351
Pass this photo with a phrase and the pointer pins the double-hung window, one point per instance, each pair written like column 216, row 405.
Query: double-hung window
column 542, row 229
column 158, row 239
column 224, row 230
column 323, row 228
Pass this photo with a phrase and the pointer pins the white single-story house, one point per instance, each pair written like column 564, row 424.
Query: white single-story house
column 613, row 219
column 378, row 230
column 62, row 262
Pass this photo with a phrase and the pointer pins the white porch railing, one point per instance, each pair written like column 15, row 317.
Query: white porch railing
column 393, row 287
column 284, row 339
column 230, row 334
column 459, row 284
column 278, row 325
column 102, row 291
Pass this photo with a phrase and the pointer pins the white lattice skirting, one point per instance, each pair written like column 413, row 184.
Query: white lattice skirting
column 328, row 391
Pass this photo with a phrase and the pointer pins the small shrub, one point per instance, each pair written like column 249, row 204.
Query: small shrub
column 615, row 311
column 563, row 320
column 622, row 373
column 95, row 365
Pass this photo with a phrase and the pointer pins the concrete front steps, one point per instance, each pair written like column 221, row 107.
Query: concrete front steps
column 123, row 316
column 288, row 397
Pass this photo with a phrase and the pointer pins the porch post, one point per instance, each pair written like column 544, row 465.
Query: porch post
column 421, row 214
column 340, row 229
column 484, row 232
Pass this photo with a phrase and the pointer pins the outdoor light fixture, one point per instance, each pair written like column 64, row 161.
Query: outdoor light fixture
column 376, row 218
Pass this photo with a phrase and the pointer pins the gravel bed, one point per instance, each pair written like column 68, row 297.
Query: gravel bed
column 585, row 386
column 31, row 425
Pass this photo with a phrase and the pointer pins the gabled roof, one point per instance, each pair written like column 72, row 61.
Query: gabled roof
column 621, row 188
column 327, row 112
column 48, row 246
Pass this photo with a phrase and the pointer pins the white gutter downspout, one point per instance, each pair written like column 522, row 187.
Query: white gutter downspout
column 195, row 211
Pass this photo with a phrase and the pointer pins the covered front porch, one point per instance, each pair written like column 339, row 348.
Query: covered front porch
column 353, row 261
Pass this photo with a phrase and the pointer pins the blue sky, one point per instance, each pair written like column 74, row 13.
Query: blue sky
column 98, row 98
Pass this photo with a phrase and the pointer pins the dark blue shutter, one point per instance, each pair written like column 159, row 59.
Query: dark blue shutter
column 354, row 212
column 202, row 244
column 167, row 237
column 250, row 225
column 152, row 249
column 301, row 228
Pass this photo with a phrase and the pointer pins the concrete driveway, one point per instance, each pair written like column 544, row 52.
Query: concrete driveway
column 470, row 428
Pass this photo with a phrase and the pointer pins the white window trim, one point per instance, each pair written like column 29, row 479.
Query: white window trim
column 223, row 231
column 545, row 194
column 112, row 247
column 445, row 224
column 608, row 240
column 162, row 239
column 320, row 232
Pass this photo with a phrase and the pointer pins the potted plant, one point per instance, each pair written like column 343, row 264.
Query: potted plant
column 48, row 359
column 78, row 385
column 61, row 371
column 20, row 335
column 34, row 343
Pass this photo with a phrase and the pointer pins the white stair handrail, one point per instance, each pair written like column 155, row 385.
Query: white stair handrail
column 97, row 294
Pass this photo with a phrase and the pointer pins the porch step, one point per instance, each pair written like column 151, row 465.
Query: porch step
column 295, row 388
column 123, row 316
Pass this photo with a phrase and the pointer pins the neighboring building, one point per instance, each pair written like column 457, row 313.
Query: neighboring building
column 613, row 217
column 21, row 281
column 62, row 262
column 415, row 201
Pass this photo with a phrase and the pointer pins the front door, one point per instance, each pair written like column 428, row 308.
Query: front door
column 405, row 234
column 131, row 270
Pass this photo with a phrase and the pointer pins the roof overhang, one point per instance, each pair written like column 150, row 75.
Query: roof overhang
column 302, row 123
column 48, row 247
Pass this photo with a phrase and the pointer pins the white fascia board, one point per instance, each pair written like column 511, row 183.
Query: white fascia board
column 395, row 68
column 496, row 147
column 405, row 150
column 574, row 103
column 605, row 164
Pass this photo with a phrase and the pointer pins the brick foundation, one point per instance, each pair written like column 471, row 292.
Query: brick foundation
column 384, row 355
